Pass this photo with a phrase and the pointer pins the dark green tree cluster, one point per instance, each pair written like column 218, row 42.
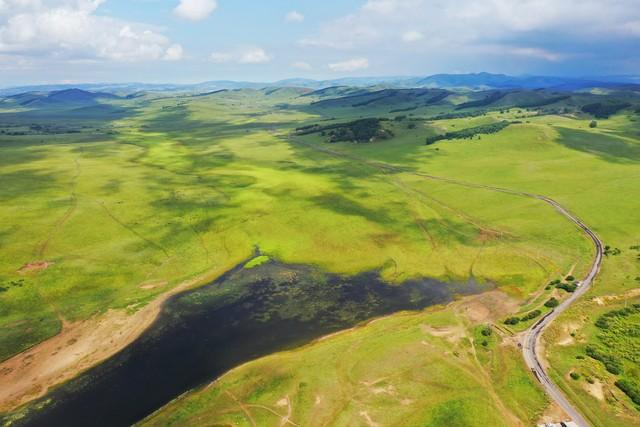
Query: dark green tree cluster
column 542, row 102
column 630, row 388
column 460, row 115
column 515, row 320
column 603, row 321
column 552, row 302
column 487, row 100
column 470, row 132
column 363, row 130
column 608, row 250
column 611, row 363
column 602, row 110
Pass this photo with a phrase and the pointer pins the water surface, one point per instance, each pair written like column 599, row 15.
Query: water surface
column 203, row 333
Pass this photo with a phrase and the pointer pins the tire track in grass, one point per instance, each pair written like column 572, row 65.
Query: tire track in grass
column 44, row 245
column 533, row 334
column 133, row 230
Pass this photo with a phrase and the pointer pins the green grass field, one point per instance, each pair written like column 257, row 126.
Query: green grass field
column 181, row 186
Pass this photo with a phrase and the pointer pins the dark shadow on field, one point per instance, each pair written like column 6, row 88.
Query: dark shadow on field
column 25, row 183
column 606, row 147
column 177, row 121
column 344, row 206
column 14, row 154
column 444, row 230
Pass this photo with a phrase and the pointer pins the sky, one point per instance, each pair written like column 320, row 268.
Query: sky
column 188, row 41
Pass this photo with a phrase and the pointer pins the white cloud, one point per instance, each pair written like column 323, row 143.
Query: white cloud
column 254, row 55
column 534, row 52
column 195, row 10
column 173, row 53
column 451, row 27
column 412, row 36
column 350, row 65
column 72, row 30
column 301, row 65
column 294, row 16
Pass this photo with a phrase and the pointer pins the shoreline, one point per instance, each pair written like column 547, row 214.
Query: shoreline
column 79, row 346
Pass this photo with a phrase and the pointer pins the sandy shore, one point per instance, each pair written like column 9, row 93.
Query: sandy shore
column 78, row 347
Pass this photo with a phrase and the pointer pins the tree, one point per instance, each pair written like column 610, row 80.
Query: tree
column 552, row 302
column 593, row 124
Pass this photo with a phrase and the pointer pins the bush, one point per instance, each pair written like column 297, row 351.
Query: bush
column 569, row 287
column 575, row 375
column 610, row 363
column 630, row 388
column 552, row 302
column 593, row 124
column 531, row 315
column 512, row 321
column 486, row 331
column 570, row 278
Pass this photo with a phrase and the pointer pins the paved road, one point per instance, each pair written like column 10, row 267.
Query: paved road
column 533, row 334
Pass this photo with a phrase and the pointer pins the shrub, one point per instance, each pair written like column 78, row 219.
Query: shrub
column 486, row 331
column 570, row 278
column 552, row 302
column 531, row 315
column 593, row 124
column 630, row 388
column 512, row 321
column 569, row 287
column 575, row 375
column 610, row 363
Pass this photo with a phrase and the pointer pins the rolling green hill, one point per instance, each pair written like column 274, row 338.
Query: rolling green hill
column 111, row 203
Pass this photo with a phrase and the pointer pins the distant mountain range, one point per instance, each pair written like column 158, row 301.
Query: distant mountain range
column 445, row 81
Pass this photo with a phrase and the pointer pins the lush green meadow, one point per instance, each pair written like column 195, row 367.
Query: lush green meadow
column 169, row 188
column 429, row 368
column 181, row 187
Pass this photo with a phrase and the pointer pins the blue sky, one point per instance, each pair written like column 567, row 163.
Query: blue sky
column 46, row 41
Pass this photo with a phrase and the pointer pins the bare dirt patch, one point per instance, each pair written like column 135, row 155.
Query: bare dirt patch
column 487, row 307
column 34, row 266
column 78, row 347
column 565, row 338
column 552, row 414
column 153, row 284
column 452, row 334
column 596, row 390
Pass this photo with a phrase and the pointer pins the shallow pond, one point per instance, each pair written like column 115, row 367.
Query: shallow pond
column 201, row 334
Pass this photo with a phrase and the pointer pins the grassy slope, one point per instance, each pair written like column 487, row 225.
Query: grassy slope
column 194, row 186
column 407, row 369
column 593, row 172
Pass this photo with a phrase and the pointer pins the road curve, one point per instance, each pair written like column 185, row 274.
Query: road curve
column 533, row 334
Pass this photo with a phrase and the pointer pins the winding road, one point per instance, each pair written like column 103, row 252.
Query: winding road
column 532, row 335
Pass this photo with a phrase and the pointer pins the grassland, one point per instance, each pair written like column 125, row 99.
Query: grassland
column 407, row 369
column 183, row 186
